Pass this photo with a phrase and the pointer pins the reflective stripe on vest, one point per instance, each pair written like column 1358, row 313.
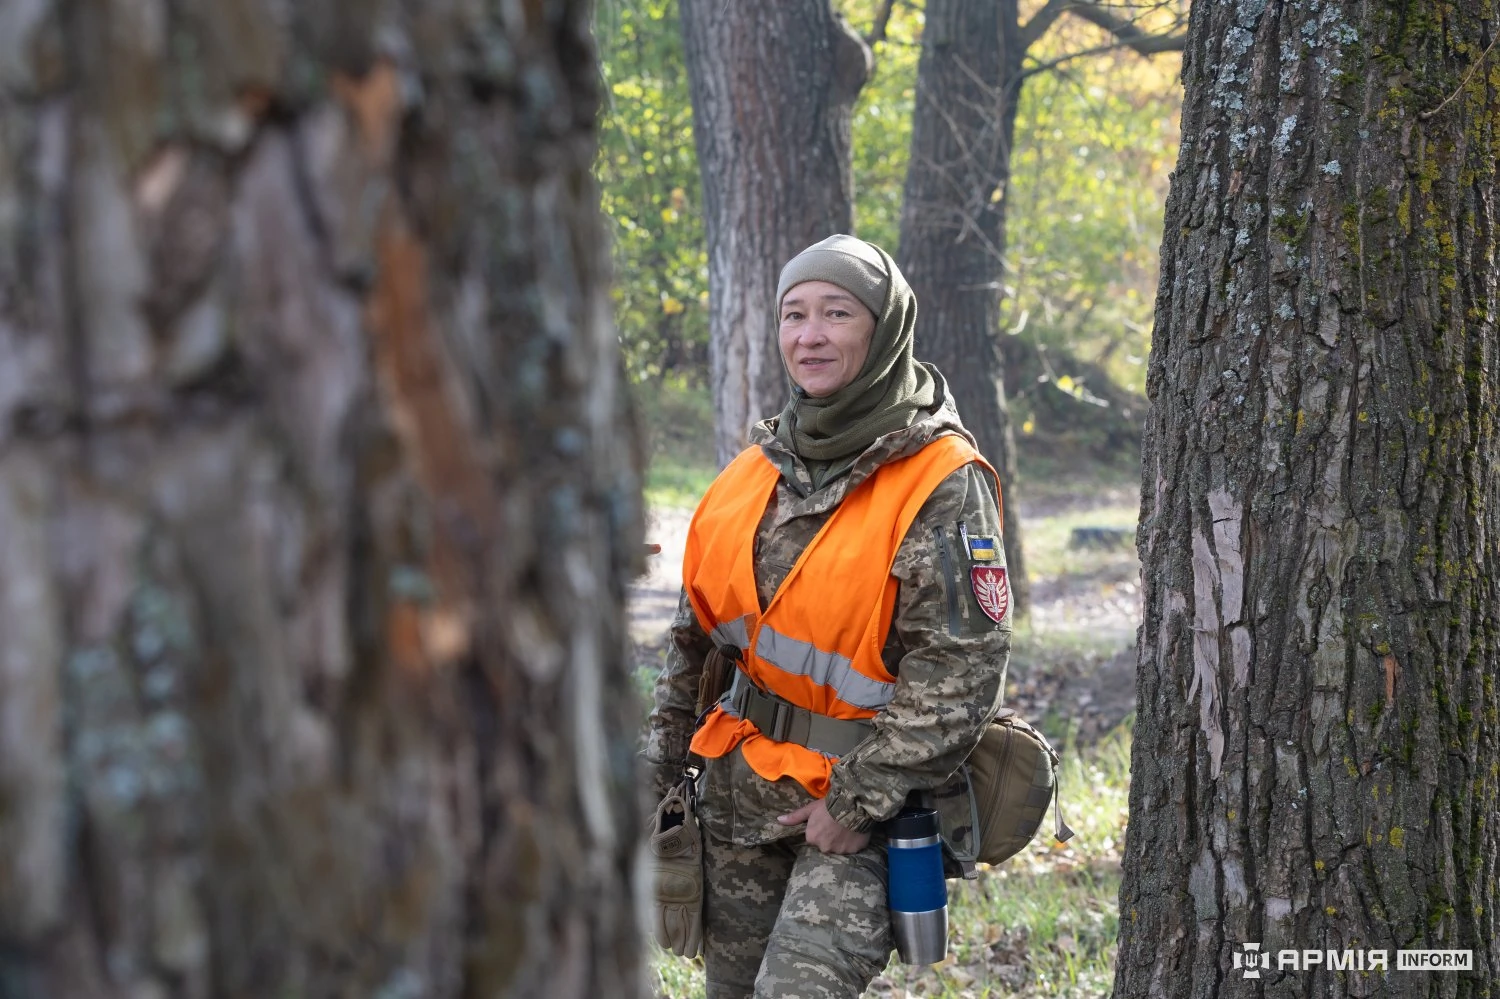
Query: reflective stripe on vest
column 736, row 633
column 827, row 669
column 818, row 643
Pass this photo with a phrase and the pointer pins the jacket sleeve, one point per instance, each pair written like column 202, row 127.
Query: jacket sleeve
column 951, row 655
column 670, row 726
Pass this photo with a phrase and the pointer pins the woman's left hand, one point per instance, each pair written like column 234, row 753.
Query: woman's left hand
column 823, row 831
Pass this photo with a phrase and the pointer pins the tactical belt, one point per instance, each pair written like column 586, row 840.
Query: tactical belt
column 780, row 719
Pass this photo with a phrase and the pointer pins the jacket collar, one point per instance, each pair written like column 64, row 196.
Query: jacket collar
column 794, row 492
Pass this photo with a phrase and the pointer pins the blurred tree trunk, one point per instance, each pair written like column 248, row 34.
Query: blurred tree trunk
column 773, row 85
column 1320, row 523
column 953, row 223
column 318, row 495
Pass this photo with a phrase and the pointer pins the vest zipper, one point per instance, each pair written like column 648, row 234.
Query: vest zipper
column 950, row 585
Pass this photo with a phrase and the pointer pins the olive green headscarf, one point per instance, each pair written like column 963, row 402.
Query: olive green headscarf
column 891, row 390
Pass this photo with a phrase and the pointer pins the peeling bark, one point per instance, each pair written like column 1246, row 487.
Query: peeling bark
column 1320, row 510
column 319, row 492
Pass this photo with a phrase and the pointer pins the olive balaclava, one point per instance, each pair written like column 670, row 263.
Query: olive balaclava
column 891, row 390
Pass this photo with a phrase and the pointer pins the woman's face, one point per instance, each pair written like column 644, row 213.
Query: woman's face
column 825, row 336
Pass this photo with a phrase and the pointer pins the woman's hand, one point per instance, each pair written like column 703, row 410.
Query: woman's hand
column 823, row 831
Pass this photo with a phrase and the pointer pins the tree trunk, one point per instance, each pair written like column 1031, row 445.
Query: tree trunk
column 773, row 84
column 318, row 495
column 953, row 223
column 1321, row 511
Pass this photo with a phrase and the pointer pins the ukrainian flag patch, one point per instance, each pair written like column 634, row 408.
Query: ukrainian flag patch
column 983, row 549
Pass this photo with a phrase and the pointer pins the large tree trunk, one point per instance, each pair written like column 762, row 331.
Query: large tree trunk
column 773, row 85
column 1321, row 511
column 317, row 500
column 953, row 223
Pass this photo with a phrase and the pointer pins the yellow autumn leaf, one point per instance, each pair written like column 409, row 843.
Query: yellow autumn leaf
column 669, row 215
column 1066, row 384
column 671, row 306
column 1028, row 427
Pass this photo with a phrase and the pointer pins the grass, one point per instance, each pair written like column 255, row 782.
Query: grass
column 1045, row 922
column 671, row 482
column 678, row 419
column 1050, row 556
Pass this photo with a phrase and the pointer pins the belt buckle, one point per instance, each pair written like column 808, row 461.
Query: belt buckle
column 781, row 720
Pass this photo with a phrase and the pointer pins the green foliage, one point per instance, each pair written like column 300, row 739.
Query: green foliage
column 882, row 120
column 1094, row 143
column 649, row 190
column 1095, row 138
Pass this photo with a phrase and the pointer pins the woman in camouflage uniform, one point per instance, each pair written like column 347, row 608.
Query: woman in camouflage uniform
column 795, row 885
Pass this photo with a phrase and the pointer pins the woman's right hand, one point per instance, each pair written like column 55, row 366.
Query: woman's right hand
column 824, row 831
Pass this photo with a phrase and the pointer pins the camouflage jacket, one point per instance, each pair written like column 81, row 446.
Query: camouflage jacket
column 948, row 656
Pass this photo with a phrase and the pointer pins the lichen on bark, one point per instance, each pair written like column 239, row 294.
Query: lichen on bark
column 1324, row 360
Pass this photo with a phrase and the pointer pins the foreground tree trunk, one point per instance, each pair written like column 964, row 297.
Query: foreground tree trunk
column 317, row 500
column 773, row 85
column 953, row 223
column 1320, row 526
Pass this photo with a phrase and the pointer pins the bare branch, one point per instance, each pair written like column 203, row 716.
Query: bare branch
column 1096, row 50
column 1425, row 115
column 882, row 21
column 1041, row 21
column 1126, row 32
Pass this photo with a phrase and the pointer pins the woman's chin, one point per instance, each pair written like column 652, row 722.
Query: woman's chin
column 816, row 388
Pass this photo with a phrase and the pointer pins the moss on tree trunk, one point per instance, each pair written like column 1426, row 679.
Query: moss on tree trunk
column 1317, row 753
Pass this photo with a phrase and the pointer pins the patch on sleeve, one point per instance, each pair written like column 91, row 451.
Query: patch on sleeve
column 992, row 590
column 983, row 548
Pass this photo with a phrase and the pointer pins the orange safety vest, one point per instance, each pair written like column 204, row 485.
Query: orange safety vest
column 819, row 640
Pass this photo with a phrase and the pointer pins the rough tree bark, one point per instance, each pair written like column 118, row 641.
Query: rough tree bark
column 773, row 85
column 318, row 495
column 1320, row 517
column 953, row 223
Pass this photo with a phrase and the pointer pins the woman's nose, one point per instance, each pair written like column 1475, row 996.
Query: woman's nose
column 813, row 332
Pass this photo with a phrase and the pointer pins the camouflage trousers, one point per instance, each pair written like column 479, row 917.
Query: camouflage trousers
column 787, row 921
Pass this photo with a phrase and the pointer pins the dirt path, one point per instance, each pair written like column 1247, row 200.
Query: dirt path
column 653, row 597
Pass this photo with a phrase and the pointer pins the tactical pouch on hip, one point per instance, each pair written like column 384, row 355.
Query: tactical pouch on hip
column 718, row 667
column 998, row 799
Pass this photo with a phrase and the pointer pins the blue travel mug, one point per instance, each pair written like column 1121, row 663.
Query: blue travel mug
column 917, row 893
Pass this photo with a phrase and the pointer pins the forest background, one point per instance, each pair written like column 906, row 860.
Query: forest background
column 1095, row 139
column 320, row 491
